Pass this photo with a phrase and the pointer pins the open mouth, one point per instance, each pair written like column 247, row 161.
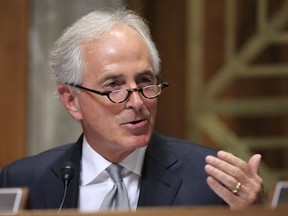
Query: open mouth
column 136, row 122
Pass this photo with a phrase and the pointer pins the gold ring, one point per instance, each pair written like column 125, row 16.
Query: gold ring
column 237, row 188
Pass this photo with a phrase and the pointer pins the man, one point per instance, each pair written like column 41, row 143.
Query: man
column 107, row 72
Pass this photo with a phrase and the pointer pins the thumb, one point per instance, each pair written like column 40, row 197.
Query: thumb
column 254, row 163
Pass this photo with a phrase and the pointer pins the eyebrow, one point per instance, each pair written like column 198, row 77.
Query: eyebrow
column 110, row 76
column 117, row 76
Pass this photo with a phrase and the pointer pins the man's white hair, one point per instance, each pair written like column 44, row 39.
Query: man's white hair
column 66, row 60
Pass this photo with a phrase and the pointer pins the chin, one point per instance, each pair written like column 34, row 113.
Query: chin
column 134, row 142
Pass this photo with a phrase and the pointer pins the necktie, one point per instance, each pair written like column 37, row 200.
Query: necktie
column 117, row 198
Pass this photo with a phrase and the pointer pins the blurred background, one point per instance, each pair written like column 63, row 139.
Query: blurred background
column 226, row 62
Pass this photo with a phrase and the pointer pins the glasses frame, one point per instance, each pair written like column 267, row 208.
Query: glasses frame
column 162, row 85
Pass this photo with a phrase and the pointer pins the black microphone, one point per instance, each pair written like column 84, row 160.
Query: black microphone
column 67, row 174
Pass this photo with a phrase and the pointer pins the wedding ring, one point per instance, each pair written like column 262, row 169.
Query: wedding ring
column 237, row 188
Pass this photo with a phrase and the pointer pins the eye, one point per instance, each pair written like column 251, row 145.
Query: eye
column 146, row 80
column 113, row 84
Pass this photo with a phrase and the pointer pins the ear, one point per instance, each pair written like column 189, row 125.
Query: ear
column 69, row 100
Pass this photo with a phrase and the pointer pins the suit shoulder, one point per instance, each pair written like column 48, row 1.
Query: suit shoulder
column 44, row 158
column 187, row 147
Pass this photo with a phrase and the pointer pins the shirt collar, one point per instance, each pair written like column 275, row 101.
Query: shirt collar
column 93, row 164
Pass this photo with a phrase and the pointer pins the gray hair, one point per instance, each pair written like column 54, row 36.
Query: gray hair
column 66, row 59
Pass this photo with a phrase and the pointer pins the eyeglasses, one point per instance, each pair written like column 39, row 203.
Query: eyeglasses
column 119, row 96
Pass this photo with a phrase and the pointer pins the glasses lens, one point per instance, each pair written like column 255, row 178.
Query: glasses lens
column 118, row 95
column 151, row 91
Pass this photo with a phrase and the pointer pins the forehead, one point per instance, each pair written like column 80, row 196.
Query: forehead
column 118, row 37
column 121, row 49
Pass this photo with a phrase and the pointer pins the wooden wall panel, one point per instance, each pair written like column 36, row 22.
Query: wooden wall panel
column 13, row 73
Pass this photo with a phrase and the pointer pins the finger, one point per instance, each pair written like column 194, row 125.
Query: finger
column 231, row 159
column 224, row 166
column 229, row 175
column 254, row 163
column 239, row 168
column 252, row 184
column 225, row 179
column 229, row 171
column 235, row 202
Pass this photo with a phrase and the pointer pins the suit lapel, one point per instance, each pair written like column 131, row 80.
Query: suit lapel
column 159, row 186
column 52, row 184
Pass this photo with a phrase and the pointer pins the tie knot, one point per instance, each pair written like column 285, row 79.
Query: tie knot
column 114, row 170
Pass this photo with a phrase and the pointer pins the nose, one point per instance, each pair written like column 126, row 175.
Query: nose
column 134, row 100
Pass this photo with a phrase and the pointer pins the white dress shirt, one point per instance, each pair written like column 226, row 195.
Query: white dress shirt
column 95, row 182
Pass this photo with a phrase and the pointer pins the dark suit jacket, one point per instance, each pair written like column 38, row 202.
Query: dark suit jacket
column 173, row 175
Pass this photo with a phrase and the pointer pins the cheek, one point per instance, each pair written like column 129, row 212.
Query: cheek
column 100, row 120
column 96, row 109
column 152, row 109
